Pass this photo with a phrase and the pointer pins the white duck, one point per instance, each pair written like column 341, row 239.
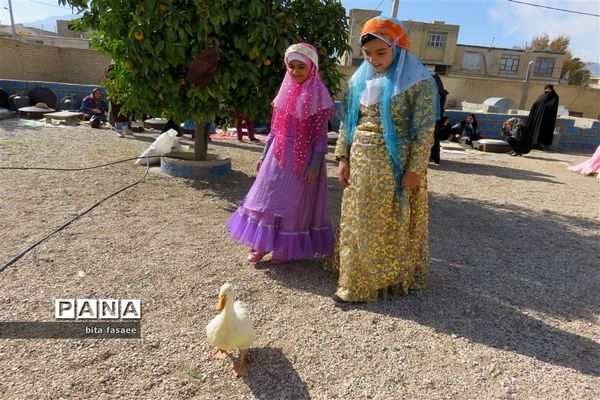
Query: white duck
column 231, row 329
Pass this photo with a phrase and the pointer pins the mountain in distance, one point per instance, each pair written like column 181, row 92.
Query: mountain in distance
column 593, row 67
column 48, row 24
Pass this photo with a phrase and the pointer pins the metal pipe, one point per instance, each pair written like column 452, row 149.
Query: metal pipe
column 395, row 8
column 525, row 87
column 528, row 69
column 12, row 19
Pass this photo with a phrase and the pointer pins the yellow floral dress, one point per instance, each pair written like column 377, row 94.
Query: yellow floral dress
column 383, row 243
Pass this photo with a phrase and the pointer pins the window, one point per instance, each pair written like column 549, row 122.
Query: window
column 544, row 67
column 440, row 69
column 509, row 64
column 437, row 39
column 471, row 62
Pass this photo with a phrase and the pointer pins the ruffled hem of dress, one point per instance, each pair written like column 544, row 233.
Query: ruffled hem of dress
column 266, row 238
column 393, row 289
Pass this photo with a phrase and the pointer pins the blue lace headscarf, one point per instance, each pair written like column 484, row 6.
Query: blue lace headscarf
column 405, row 71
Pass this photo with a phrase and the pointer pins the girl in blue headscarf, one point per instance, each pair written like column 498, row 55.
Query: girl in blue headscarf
column 383, row 151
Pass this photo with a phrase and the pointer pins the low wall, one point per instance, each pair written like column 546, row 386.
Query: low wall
column 572, row 137
column 61, row 89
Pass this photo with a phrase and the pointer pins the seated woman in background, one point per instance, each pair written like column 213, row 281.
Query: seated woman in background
column 466, row 131
column 505, row 130
column 519, row 139
column 94, row 107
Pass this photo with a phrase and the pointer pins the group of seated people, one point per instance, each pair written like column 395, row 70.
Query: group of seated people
column 514, row 132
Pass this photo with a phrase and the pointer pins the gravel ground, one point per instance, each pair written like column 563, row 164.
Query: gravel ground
column 511, row 312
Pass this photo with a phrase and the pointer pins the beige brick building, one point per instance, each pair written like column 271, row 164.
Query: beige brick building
column 22, row 60
column 476, row 73
column 435, row 44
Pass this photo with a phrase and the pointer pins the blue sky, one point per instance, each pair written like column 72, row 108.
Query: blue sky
column 502, row 22
column 505, row 23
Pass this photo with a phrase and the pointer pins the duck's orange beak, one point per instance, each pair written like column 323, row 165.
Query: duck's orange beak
column 221, row 303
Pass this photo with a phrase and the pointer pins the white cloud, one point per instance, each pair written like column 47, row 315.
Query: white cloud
column 523, row 22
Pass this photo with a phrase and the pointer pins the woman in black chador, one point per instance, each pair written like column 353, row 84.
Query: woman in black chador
column 542, row 118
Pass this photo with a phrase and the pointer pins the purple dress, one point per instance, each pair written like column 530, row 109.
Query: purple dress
column 282, row 213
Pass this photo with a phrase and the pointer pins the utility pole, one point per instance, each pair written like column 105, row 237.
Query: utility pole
column 395, row 8
column 12, row 20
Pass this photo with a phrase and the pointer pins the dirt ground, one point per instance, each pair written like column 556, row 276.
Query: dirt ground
column 512, row 310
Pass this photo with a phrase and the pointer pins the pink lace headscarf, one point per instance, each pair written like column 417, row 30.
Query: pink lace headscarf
column 305, row 107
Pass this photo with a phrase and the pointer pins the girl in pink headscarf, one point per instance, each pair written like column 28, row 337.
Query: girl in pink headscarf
column 285, row 211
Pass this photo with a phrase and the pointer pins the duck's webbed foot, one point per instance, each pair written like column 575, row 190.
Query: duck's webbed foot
column 221, row 354
column 239, row 369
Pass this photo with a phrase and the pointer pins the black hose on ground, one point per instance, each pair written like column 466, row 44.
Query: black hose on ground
column 82, row 213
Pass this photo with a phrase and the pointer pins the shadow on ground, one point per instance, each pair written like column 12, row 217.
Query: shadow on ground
column 272, row 376
column 494, row 170
column 256, row 148
column 492, row 269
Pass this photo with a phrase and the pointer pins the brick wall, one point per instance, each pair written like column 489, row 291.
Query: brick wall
column 474, row 90
column 31, row 61
column 477, row 90
column 571, row 137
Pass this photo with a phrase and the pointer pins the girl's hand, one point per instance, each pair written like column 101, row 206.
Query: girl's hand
column 410, row 180
column 311, row 176
column 344, row 172
column 258, row 164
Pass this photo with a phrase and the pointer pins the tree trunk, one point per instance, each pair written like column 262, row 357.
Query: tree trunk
column 200, row 142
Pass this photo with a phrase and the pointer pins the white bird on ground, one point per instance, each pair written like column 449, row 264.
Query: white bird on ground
column 231, row 329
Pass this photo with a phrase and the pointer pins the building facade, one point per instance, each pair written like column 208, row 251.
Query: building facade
column 436, row 45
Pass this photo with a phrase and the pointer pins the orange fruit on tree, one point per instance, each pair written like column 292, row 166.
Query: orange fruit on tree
column 267, row 62
column 139, row 36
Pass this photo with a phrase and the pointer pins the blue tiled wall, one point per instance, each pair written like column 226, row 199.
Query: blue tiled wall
column 61, row 89
column 572, row 137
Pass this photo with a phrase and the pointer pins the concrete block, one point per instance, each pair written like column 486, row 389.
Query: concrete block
column 491, row 145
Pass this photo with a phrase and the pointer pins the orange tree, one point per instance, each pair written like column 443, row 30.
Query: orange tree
column 153, row 43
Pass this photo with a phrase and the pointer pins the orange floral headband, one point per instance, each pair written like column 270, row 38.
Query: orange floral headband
column 387, row 29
